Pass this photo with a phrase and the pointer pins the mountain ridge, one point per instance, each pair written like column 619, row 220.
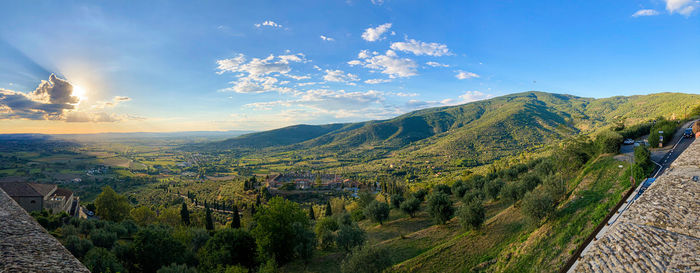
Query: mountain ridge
column 483, row 130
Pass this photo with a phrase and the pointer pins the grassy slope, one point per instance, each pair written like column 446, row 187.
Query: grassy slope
column 509, row 243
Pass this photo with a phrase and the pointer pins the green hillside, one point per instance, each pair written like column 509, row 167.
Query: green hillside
column 474, row 134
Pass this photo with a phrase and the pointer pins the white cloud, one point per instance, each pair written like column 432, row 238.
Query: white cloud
column 377, row 81
column 436, row 64
column 645, row 12
column 375, row 34
column 268, row 23
column 339, row 76
column 337, row 103
column 309, row 83
column 93, row 117
column 421, row 48
column 257, row 75
column 364, row 54
column 377, row 2
column 112, row 103
column 329, row 39
column 684, row 7
column 470, row 96
column 462, row 75
column 402, row 94
column 389, row 64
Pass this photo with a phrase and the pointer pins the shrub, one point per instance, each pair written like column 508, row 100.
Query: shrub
column 377, row 211
column 154, row 247
column 642, row 157
column 473, row 195
column 357, row 215
column 471, row 215
column 513, row 191
column 367, row 259
column 537, row 205
column 545, row 168
column 103, row 238
column 364, row 199
column 77, row 246
column 530, row 181
column 440, row 207
column 101, row 260
column 555, row 188
column 420, row 194
column 443, row 189
column 411, row 206
column 396, row 200
column 667, row 126
column 229, row 247
column 176, row 268
column 608, row 142
column 350, row 236
column 325, row 228
column 493, row 188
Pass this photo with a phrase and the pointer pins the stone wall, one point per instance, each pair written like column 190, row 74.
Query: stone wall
column 660, row 232
column 25, row 246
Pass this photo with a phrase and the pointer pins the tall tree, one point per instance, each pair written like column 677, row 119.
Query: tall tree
column 185, row 214
column 329, row 210
column 209, row 223
column 281, row 230
column 236, row 221
column 112, row 206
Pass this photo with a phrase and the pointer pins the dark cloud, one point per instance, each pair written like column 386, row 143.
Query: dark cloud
column 48, row 101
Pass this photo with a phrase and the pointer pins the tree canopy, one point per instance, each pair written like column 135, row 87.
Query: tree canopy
column 112, row 206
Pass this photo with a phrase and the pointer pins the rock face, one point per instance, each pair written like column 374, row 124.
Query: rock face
column 660, row 232
column 26, row 247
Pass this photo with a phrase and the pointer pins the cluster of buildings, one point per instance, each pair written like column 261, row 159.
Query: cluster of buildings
column 36, row 197
column 308, row 180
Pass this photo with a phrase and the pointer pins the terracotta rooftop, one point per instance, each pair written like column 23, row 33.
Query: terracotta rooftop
column 660, row 232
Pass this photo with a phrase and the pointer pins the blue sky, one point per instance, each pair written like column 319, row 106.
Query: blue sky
column 254, row 65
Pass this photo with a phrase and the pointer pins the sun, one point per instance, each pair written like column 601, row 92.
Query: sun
column 79, row 92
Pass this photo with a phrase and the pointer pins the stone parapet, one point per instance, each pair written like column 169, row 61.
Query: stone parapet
column 25, row 246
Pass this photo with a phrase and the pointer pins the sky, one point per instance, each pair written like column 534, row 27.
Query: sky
column 156, row 66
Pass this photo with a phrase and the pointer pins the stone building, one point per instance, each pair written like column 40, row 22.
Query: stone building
column 35, row 196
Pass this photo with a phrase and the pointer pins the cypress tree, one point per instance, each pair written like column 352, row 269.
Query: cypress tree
column 185, row 214
column 209, row 221
column 236, row 222
column 329, row 211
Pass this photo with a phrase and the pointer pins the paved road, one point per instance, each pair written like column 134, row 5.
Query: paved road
column 679, row 145
column 663, row 157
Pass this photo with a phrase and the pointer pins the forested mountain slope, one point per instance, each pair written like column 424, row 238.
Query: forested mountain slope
column 479, row 131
